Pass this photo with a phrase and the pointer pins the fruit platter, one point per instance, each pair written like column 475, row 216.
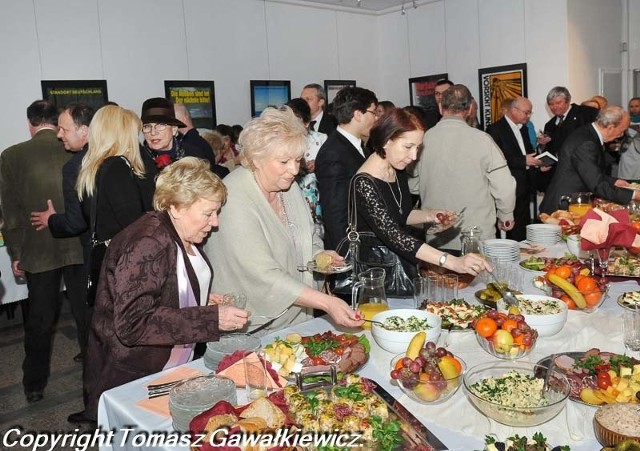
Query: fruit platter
column 456, row 315
column 427, row 373
column 598, row 377
column 295, row 353
column 574, row 285
column 505, row 336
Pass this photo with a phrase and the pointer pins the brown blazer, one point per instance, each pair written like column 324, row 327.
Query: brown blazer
column 137, row 318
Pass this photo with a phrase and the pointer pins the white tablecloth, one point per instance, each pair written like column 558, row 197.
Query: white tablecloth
column 456, row 422
column 11, row 289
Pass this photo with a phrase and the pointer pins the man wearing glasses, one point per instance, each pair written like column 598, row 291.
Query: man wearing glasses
column 340, row 157
column 513, row 138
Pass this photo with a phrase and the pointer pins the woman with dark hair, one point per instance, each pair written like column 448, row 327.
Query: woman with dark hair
column 382, row 198
column 229, row 153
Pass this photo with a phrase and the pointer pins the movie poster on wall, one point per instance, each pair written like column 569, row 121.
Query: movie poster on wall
column 497, row 84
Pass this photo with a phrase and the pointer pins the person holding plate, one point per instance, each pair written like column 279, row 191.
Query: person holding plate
column 266, row 232
column 383, row 202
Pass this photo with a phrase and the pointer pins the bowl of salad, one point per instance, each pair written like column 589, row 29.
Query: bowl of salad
column 394, row 329
column 545, row 314
column 514, row 393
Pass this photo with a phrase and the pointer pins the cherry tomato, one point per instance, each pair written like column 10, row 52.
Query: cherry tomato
column 604, row 380
column 318, row 361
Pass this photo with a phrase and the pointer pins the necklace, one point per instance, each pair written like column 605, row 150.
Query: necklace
column 398, row 202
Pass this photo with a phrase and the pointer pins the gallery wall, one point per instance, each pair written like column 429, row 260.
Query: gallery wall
column 137, row 45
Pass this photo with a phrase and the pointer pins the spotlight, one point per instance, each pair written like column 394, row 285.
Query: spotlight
column 415, row 5
column 359, row 3
column 403, row 11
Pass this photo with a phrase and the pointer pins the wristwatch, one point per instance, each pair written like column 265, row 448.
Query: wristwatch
column 443, row 259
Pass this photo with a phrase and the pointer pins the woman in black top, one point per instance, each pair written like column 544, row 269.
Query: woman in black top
column 383, row 200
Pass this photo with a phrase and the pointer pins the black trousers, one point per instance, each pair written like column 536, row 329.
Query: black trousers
column 521, row 216
column 43, row 307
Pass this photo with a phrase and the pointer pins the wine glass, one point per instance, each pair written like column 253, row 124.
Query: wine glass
column 603, row 256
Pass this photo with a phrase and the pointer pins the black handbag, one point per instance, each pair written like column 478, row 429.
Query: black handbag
column 364, row 250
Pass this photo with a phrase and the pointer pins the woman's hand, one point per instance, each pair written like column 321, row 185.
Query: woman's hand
column 471, row 264
column 342, row 314
column 232, row 318
column 443, row 217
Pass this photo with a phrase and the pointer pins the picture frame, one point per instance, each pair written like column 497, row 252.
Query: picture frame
column 331, row 88
column 497, row 84
column 266, row 93
column 422, row 89
column 63, row 92
column 199, row 98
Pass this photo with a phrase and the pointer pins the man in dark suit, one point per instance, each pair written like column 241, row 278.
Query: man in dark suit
column 567, row 117
column 581, row 165
column 73, row 131
column 341, row 156
column 321, row 121
column 31, row 173
column 513, row 139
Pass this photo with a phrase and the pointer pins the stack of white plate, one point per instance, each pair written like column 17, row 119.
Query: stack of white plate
column 543, row 234
column 501, row 250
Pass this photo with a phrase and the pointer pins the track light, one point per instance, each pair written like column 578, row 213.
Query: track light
column 415, row 5
column 359, row 3
column 403, row 11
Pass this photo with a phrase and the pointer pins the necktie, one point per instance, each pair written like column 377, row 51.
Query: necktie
column 560, row 121
column 312, row 125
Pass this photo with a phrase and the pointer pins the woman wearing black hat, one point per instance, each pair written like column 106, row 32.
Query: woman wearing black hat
column 162, row 139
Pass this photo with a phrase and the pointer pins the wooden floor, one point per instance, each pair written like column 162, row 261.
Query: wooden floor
column 63, row 394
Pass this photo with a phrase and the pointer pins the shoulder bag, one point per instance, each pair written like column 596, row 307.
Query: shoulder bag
column 364, row 250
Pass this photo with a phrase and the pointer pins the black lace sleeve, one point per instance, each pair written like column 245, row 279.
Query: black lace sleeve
column 378, row 212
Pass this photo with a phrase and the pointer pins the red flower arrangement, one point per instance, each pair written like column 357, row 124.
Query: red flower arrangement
column 163, row 160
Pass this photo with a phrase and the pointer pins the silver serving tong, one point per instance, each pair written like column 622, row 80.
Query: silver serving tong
column 507, row 295
column 373, row 322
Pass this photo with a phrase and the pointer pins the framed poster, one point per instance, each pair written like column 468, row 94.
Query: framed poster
column 331, row 87
column 199, row 98
column 64, row 92
column 497, row 84
column 266, row 93
column 421, row 90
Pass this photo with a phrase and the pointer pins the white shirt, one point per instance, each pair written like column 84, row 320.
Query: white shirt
column 203, row 273
column 316, row 120
column 357, row 142
column 515, row 128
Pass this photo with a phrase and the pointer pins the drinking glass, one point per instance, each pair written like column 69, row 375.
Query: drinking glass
column 449, row 287
column 419, row 291
column 603, row 256
column 236, row 299
column 432, row 288
column 631, row 327
column 256, row 380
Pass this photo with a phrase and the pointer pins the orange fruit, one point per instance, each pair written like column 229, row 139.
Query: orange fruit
column 563, row 271
column 587, row 284
column 398, row 365
column 592, row 298
column 571, row 305
column 486, row 327
column 454, row 361
column 578, row 278
column 509, row 325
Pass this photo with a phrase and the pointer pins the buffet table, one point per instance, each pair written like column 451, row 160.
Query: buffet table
column 455, row 422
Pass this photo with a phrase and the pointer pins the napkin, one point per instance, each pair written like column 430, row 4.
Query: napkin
column 235, row 372
column 160, row 405
column 603, row 230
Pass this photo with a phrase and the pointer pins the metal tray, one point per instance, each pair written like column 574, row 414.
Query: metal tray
column 415, row 434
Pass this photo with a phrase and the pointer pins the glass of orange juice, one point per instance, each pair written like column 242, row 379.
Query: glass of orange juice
column 580, row 209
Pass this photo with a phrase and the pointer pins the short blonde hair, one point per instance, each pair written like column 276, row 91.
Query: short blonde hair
column 215, row 140
column 113, row 132
column 278, row 132
column 185, row 181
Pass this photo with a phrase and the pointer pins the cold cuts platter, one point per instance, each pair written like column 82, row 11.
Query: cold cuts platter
column 296, row 353
column 598, row 377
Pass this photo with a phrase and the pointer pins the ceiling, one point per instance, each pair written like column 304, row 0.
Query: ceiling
column 367, row 5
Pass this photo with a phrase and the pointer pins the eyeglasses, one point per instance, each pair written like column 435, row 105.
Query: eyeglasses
column 148, row 128
column 527, row 113
column 374, row 112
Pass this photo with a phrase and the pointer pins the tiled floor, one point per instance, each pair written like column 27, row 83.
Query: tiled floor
column 62, row 396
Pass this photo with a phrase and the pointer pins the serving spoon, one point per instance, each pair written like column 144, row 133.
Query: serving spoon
column 507, row 295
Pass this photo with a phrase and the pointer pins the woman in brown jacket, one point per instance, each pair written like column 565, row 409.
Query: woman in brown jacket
column 151, row 305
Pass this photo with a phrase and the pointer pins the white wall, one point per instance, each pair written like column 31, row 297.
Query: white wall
column 460, row 36
column 137, row 45
column 594, row 39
